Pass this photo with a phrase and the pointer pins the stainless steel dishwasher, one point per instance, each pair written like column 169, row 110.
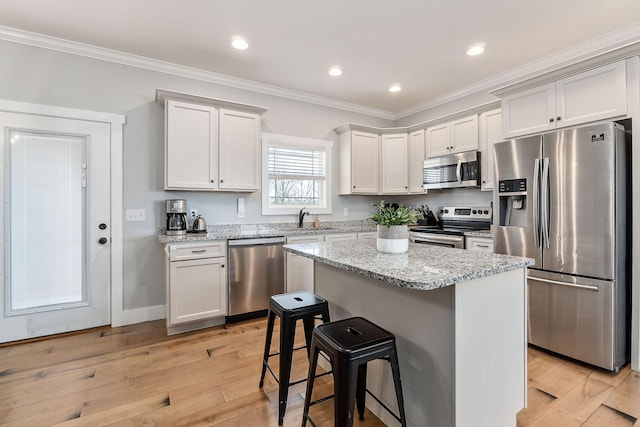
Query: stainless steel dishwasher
column 256, row 271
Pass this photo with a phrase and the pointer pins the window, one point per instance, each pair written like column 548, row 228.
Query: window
column 296, row 175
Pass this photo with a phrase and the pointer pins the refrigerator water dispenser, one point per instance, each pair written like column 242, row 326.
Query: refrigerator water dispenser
column 512, row 194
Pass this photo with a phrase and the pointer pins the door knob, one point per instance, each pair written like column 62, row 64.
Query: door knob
column 102, row 240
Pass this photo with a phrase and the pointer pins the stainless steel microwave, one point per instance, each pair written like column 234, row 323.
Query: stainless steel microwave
column 452, row 171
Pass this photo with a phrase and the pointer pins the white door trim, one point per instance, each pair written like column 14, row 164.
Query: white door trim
column 116, row 121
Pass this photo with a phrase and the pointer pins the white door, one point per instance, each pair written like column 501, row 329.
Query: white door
column 56, row 231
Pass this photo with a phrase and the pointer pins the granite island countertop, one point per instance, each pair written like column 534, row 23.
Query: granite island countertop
column 422, row 267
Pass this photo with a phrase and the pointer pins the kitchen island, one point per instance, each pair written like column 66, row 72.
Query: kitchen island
column 459, row 318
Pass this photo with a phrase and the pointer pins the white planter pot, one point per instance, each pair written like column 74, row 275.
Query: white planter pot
column 393, row 239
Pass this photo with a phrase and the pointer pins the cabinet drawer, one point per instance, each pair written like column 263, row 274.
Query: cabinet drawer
column 184, row 251
column 480, row 243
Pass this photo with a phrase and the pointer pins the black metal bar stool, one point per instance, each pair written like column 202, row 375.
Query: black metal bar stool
column 290, row 308
column 350, row 344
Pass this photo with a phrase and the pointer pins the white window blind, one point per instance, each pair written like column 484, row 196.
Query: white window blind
column 297, row 174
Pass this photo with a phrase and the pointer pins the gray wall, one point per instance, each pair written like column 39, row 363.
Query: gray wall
column 41, row 76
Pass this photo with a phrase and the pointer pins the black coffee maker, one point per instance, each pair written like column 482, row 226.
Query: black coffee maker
column 176, row 217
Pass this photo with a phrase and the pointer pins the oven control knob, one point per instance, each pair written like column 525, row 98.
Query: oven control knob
column 486, row 212
column 474, row 212
column 446, row 211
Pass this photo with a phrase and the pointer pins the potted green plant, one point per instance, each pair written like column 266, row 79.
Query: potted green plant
column 393, row 230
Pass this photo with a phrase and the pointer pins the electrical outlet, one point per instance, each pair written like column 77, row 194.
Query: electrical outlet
column 135, row 215
column 346, row 211
column 194, row 213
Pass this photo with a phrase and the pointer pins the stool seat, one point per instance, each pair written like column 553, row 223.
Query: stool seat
column 290, row 308
column 352, row 336
column 350, row 344
column 298, row 303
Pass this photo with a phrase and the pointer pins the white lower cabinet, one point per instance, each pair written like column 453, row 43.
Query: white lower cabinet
column 479, row 243
column 196, row 288
column 300, row 272
column 368, row 235
column 299, row 276
column 340, row 236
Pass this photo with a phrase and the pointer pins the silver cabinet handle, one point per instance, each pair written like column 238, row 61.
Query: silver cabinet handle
column 200, row 251
column 570, row 285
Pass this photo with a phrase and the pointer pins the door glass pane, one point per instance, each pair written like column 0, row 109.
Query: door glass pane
column 46, row 249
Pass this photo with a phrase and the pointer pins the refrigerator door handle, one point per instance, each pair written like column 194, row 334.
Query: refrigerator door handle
column 458, row 175
column 535, row 212
column 571, row 285
column 545, row 201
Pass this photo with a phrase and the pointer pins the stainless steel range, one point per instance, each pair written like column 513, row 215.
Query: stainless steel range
column 453, row 222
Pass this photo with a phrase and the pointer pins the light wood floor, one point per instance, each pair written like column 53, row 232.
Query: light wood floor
column 138, row 376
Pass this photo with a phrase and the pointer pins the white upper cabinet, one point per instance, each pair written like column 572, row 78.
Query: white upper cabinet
column 191, row 146
column 359, row 163
column 438, row 140
column 394, row 164
column 490, row 127
column 452, row 137
column 239, row 150
column 596, row 94
column 208, row 146
column 415, row 160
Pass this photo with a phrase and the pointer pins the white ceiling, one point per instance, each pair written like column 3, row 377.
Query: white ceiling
column 420, row 44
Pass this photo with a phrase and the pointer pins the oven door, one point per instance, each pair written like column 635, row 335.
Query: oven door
column 448, row 241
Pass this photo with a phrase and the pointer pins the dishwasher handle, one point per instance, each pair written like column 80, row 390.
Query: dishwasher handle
column 256, row 242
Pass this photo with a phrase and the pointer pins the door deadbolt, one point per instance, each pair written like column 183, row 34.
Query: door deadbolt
column 102, row 226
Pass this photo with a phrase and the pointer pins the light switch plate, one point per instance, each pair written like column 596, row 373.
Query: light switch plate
column 240, row 207
column 135, row 215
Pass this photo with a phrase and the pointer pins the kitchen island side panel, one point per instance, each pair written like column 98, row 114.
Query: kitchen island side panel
column 423, row 323
column 462, row 348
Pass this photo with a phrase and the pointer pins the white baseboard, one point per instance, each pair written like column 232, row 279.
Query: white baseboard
column 140, row 315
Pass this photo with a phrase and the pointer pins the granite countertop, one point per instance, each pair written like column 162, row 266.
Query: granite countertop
column 250, row 231
column 422, row 267
column 483, row 233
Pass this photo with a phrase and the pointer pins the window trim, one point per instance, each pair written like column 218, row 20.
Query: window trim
column 302, row 143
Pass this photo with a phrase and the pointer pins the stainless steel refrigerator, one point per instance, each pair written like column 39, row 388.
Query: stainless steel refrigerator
column 561, row 199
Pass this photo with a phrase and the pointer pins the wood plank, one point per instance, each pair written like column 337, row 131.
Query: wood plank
column 137, row 375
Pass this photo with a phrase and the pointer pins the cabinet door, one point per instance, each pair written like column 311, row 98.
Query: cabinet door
column 197, row 290
column 394, row 164
column 464, row 134
column 530, row 111
column 239, row 166
column 438, row 140
column 596, row 94
column 415, row 161
column 191, row 146
column 490, row 125
column 365, row 160
column 300, row 269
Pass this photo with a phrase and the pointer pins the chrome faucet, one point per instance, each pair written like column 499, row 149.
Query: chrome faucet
column 301, row 215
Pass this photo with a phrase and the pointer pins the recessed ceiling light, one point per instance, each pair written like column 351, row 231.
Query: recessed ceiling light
column 335, row 71
column 239, row 43
column 395, row 88
column 475, row 50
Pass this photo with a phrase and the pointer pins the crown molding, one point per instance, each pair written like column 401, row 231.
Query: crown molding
column 75, row 48
column 619, row 44
column 622, row 43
